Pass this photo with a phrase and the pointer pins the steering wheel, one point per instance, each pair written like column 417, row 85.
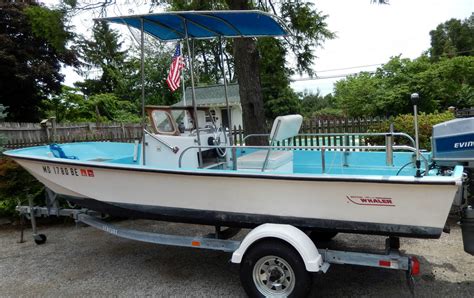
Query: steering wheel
column 217, row 140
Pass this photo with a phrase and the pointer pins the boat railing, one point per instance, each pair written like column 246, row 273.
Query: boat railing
column 322, row 149
column 172, row 148
column 389, row 140
column 343, row 134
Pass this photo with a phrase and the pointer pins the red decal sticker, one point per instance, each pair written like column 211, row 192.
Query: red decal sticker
column 371, row 201
column 90, row 173
column 83, row 172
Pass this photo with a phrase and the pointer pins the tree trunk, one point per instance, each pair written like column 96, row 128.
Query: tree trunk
column 247, row 69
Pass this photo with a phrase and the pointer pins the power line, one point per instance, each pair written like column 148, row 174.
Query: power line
column 351, row 67
column 328, row 77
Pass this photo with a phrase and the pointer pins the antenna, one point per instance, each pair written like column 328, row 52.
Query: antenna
column 415, row 99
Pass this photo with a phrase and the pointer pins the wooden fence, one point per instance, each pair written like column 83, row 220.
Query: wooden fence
column 17, row 135
column 327, row 126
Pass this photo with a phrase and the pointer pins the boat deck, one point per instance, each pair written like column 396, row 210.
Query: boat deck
column 305, row 161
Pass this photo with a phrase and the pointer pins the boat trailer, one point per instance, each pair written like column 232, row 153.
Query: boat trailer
column 259, row 238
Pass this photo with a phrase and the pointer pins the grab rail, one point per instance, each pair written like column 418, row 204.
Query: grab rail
column 172, row 148
column 321, row 148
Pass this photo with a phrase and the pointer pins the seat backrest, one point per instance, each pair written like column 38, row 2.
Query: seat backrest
column 285, row 127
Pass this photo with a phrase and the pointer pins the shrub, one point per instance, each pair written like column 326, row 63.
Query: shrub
column 15, row 185
column 405, row 123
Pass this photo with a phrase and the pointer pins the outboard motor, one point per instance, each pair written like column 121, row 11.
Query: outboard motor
column 467, row 227
column 453, row 143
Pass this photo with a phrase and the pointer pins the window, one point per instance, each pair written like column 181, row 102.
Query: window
column 211, row 113
column 163, row 122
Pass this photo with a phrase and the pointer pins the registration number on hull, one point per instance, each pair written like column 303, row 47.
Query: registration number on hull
column 68, row 171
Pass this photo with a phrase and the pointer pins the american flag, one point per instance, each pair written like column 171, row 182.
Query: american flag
column 174, row 76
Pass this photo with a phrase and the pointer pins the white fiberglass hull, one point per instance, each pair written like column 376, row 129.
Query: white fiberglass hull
column 380, row 205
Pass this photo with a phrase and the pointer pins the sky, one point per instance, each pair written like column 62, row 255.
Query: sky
column 367, row 34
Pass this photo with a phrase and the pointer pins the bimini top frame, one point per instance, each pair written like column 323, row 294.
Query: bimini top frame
column 190, row 25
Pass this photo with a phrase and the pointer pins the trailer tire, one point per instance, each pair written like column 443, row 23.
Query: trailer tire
column 274, row 268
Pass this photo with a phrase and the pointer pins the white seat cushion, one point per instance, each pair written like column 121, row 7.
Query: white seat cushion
column 255, row 159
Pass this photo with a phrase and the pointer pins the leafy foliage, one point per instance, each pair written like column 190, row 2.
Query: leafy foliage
column 157, row 60
column 15, row 184
column 448, row 82
column 405, row 123
column 3, row 115
column 315, row 105
column 49, row 25
column 453, row 38
column 32, row 47
column 103, row 53
column 309, row 31
column 72, row 106
column 278, row 97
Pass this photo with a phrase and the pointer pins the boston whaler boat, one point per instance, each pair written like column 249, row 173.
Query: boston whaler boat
column 186, row 172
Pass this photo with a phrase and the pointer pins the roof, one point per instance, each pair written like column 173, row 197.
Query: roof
column 204, row 24
column 212, row 96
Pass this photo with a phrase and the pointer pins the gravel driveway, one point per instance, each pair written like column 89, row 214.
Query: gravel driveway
column 83, row 261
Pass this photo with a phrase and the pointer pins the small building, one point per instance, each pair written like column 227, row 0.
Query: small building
column 213, row 97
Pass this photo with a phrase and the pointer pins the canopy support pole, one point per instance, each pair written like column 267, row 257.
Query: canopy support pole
column 229, row 112
column 185, row 119
column 142, row 69
column 193, row 93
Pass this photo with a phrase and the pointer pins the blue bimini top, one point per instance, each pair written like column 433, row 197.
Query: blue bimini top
column 205, row 24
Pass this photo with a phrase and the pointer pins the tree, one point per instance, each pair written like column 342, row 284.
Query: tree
column 453, row 38
column 102, row 53
column 355, row 95
column 3, row 115
column 64, row 106
column 278, row 97
column 33, row 43
column 157, row 61
column 448, row 82
column 309, row 30
column 316, row 105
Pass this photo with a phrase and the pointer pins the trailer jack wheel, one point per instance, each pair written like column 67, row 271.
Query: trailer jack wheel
column 40, row 239
column 273, row 268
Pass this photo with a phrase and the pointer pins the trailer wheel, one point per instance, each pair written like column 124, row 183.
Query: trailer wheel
column 40, row 239
column 274, row 268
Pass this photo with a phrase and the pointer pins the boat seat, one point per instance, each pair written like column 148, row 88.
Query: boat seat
column 284, row 127
column 255, row 160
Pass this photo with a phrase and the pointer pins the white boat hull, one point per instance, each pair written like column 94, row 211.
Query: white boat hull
column 397, row 205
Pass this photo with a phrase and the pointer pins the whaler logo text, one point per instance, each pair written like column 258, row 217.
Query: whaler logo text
column 371, row 201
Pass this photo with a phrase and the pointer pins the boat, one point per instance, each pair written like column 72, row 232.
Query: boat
column 188, row 170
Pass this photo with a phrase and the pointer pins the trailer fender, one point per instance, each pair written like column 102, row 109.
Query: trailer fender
column 294, row 236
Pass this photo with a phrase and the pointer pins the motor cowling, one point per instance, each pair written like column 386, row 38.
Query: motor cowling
column 453, row 142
